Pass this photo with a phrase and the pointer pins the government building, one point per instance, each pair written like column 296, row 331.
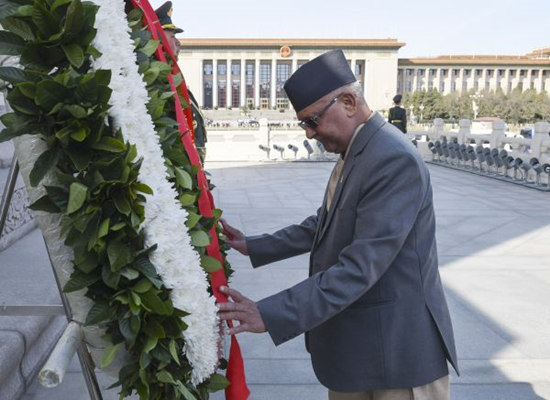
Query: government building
column 235, row 73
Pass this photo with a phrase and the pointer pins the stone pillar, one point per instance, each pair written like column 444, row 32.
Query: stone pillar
column 499, row 127
column 214, row 83
column 273, row 85
column 257, row 84
column 464, row 130
column 366, row 77
column 199, row 92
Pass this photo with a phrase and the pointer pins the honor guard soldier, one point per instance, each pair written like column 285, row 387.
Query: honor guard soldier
column 397, row 115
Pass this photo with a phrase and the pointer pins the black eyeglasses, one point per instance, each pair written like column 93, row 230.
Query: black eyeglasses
column 313, row 121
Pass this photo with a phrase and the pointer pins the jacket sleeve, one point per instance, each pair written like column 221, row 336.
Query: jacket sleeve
column 285, row 243
column 385, row 215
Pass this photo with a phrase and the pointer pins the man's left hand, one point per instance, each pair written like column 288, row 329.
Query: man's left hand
column 241, row 309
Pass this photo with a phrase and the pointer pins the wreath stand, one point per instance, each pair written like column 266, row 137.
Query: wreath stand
column 71, row 340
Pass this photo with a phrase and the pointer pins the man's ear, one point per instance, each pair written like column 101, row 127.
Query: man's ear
column 350, row 103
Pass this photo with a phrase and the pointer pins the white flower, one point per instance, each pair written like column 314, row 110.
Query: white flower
column 176, row 261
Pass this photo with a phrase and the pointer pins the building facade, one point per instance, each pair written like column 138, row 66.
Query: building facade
column 448, row 74
column 233, row 73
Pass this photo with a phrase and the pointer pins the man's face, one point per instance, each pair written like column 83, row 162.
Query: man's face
column 331, row 129
column 174, row 43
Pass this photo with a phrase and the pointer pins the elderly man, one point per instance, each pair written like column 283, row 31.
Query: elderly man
column 373, row 309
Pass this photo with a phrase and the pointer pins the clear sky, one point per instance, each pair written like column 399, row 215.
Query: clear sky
column 428, row 27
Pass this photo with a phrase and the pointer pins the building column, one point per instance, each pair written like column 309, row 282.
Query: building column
column 352, row 64
column 257, row 84
column 273, row 86
column 242, row 102
column 200, row 90
column 294, row 65
column 214, row 83
column 365, row 77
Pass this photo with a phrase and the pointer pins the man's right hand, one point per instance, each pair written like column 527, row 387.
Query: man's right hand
column 234, row 237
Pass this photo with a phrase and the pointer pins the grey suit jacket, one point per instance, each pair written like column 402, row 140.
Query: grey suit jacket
column 373, row 308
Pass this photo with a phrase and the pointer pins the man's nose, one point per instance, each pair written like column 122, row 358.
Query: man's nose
column 310, row 132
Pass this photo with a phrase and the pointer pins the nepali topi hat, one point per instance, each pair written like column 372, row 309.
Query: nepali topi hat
column 318, row 78
column 164, row 13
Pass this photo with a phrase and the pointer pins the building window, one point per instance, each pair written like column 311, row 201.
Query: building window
column 487, row 85
column 444, row 72
column 467, row 72
column 433, row 72
column 535, row 73
column 283, row 73
column 419, row 85
column 512, row 73
column 222, row 68
column 430, row 85
column 489, row 72
column 509, row 87
column 456, row 72
column 420, row 72
column 249, row 80
column 265, row 83
column 479, row 72
column 207, row 67
column 476, row 86
column 409, row 86
column 464, row 86
column 222, row 84
column 453, row 86
column 523, row 72
column 236, row 68
column 442, row 87
column 500, row 72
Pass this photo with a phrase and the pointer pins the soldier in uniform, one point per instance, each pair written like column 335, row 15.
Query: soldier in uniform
column 397, row 115
column 164, row 13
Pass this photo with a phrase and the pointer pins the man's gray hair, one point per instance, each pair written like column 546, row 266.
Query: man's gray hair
column 357, row 90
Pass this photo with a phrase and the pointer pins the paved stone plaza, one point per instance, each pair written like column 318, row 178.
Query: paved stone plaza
column 493, row 240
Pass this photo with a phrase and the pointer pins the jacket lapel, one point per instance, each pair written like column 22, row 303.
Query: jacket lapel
column 361, row 141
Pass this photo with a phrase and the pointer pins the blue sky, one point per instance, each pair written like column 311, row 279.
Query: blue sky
column 428, row 27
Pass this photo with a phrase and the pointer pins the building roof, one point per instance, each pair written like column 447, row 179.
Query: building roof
column 539, row 57
column 300, row 43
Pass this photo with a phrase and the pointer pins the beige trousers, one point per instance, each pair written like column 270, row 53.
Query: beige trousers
column 437, row 390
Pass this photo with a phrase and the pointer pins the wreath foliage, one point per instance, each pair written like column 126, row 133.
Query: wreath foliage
column 54, row 94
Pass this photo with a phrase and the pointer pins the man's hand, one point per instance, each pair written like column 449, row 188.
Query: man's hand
column 234, row 238
column 241, row 309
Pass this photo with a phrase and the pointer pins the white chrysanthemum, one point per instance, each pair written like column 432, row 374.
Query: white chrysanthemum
column 175, row 259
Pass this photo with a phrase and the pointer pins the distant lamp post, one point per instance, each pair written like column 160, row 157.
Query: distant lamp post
column 421, row 107
column 475, row 99
column 411, row 108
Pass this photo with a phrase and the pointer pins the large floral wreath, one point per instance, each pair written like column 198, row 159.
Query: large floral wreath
column 93, row 84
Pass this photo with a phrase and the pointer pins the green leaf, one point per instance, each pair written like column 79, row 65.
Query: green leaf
column 183, row 178
column 74, row 54
column 24, row 11
column 192, row 220
column 165, row 377
column 110, row 278
column 108, row 354
column 45, row 204
column 142, row 286
column 150, row 344
column 19, row 27
column 80, row 281
column 59, row 3
column 21, row 103
column 59, row 195
column 28, row 127
column 12, row 75
column 99, row 312
column 75, row 17
column 187, row 199
column 154, row 329
column 129, row 273
column 76, row 111
column 8, row 8
column 199, row 238
column 103, row 228
column 77, row 196
column 150, row 48
column 128, row 329
column 217, row 382
column 187, row 395
column 11, row 44
column 80, row 156
column 121, row 203
column 153, row 303
column 49, row 93
column 143, row 188
column 173, row 351
column 210, row 264
column 45, row 21
column 110, row 144
column 119, row 254
column 28, row 89
column 43, row 164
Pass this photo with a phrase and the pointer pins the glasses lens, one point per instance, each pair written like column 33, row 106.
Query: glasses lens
column 308, row 123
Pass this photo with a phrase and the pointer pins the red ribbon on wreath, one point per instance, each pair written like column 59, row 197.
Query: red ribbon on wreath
column 237, row 390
